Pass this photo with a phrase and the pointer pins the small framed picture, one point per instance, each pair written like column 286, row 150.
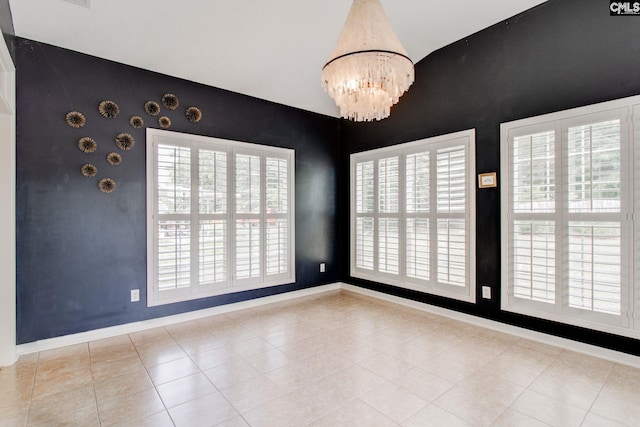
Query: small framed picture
column 487, row 180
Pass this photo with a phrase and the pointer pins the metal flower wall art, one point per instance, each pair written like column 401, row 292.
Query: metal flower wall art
column 125, row 141
column 87, row 144
column 136, row 122
column 75, row 119
column 193, row 114
column 109, row 109
column 170, row 101
column 107, row 185
column 164, row 122
column 152, row 108
column 89, row 170
column 114, row 159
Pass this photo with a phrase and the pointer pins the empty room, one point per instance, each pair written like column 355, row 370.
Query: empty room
column 342, row 213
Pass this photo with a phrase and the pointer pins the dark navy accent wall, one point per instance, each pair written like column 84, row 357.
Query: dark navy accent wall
column 559, row 55
column 6, row 26
column 80, row 251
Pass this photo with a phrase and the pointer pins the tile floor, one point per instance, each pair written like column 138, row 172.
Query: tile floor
column 335, row 359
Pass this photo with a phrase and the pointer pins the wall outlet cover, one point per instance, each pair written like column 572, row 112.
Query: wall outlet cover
column 486, row 292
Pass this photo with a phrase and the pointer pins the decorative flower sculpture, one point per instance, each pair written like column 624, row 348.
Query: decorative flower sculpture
column 164, row 122
column 136, row 122
column 75, row 119
column 89, row 170
column 193, row 114
column 114, row 159
column 108, row 109
column 152, row 108
column 125, row 141
column 107, row 185
column 170, row 101
column 87, row 144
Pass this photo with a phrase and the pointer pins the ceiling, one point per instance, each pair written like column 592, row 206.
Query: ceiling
column 270, row 49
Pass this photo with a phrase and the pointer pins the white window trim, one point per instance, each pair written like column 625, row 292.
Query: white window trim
column 195, row 291
column 7, row 207
column 629, row 109
column 468, row 293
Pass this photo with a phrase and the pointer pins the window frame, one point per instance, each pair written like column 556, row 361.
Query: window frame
column 231, row 284
column 433, row 144
column 626, row 110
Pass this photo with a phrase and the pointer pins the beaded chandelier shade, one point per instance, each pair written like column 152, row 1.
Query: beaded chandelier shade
column 369, row 69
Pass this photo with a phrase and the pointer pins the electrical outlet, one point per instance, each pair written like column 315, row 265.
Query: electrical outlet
column 322, row 267
column 486, row 292
column 135, row 295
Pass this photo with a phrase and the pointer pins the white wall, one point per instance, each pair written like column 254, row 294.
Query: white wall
column 7, row 208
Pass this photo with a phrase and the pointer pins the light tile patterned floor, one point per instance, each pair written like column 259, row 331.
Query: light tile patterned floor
column 335, row 359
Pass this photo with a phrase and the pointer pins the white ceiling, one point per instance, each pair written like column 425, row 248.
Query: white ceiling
column 270, row 49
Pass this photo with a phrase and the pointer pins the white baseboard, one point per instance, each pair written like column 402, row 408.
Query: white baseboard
column 128, row 328
column 83, row 337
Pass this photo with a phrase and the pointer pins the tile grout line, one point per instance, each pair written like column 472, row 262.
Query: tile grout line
column 149, row 375
column 93, row 384
column 33, row 387
column 598, row 395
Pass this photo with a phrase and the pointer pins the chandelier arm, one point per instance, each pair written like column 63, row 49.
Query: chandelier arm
column 366, row 51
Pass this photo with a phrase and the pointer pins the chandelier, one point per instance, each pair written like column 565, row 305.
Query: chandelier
column 369, row 69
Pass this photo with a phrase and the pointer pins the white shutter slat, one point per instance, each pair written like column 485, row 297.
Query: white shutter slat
column 276, row 238
column 277, row 191
column 364, row 243
column 364, row 187
column 451, row 176
column 277, row 246
column 173, row 174
column 418, row 251
column 533, row 173
column 451, row 255
column 388, row 245
column 213, row 251
column 388, row 181
column 594, row 167
column 212, row 180
column 595, row 266
column 248, row 230
column 417, row 187
column 247, row 248
column 247, row 184
column 173, row 255
column 533, row 265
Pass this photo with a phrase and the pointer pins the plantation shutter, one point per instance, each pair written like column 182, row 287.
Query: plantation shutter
column 417, row 228
column 248, row 200
column 533, row 240
column 388, row 225
column 412, row 210
column 451, row 221
column 568, row 221
column 364, row 230
column 174, row 217
column 277, row 225
column 212, row 205
column 594, row 192
column 221, row 216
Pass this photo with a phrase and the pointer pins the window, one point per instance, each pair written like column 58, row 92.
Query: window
column 568, row 202
column 220, row 216
column 412, row 215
